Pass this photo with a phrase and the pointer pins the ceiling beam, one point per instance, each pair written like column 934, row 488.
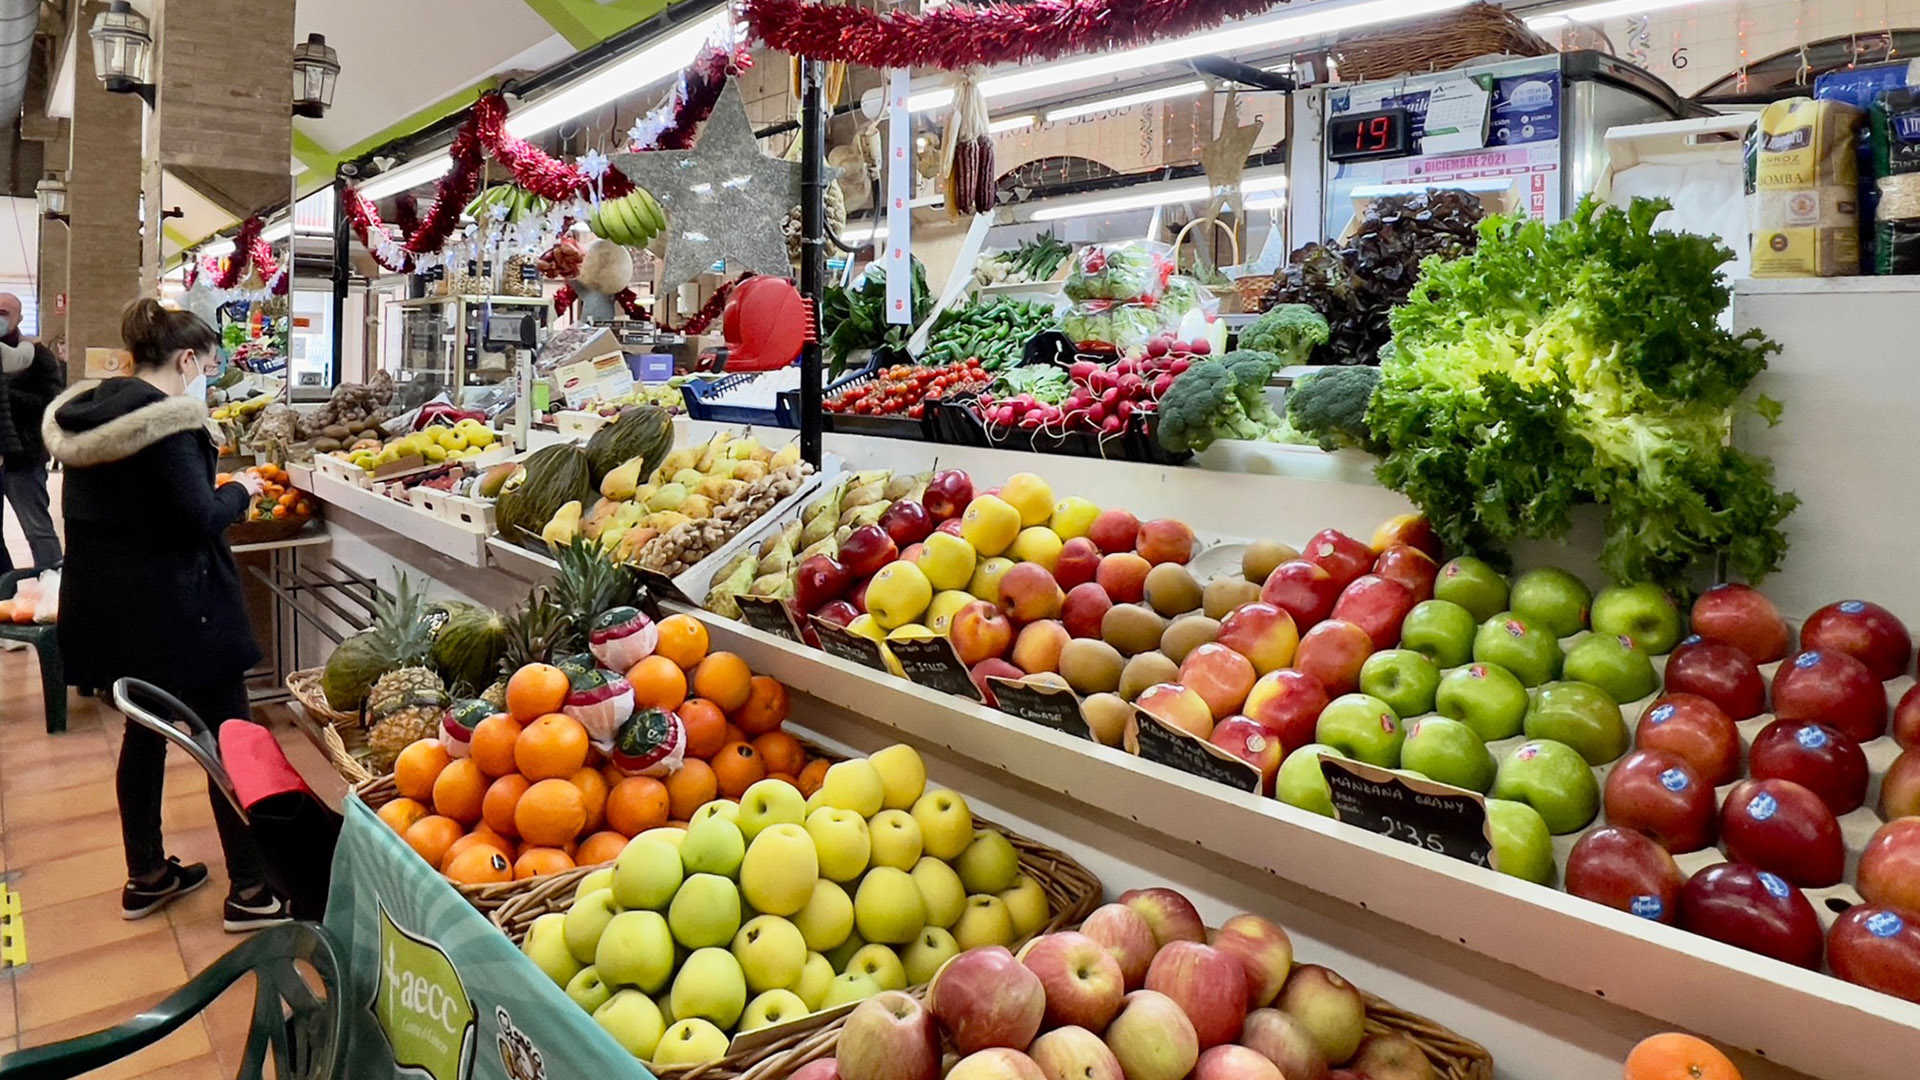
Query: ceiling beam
column 585, row 22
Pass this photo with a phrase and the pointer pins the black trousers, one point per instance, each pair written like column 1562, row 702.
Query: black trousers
column 140, row 786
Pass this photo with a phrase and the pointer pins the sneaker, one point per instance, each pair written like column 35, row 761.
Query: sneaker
column 138, row 901
column 267, row 910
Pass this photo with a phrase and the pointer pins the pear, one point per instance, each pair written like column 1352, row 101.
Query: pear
column 749, row 471
column 714, row 450
column 778, row 586
column 564, row 526
column 826, row 545
column 899, row 485
column 720, row 489
column 683, row 458
column 629, row 513
column 787, row 455
column 689, row 478
column 637, row 536
column 697, row 506
column 610, row 538
column 862, row 494
column 665, row 520
column 764, row 455
column 724, row 468
column 622, row 482
column 868, row 514
column 644, row 492
column 743, row 449
column 668, row 497
column 602, row 517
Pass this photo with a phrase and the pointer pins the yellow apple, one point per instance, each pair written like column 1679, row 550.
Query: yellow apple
column 636, row 949
column 705, row 912
column 586, row 919
column 815, row 976
column 940, row 890
column 853, row 785
column 713, row 846
column 931, row 949
column 843, row 952
column 1073, row 516
column 866, row 626
column 599, row 879
column 985, row 582
column 985, row 922
column 886, row 908
column 1027, row 905
column 896, row 839
column 897, row 594
column 947, row 560
column 1030, row 495
column 589, row 991
column 690, row 1042
column 634, row 1022
column 989, row 524
column 911, row 632
column 672, row 835
column 903, row 776
column 769, row 802
column 840, row 842
column 778, row 873
column 827, row 919
column 770, row 952
column 946, row 824
column 1037, row 544
column 882, row 965
column 647, row 874
column 724, row 808
column 546, row 945
column 770, row 1008
column 710, row 986
column 944, row 605
column 989, row 864
column 848, row 988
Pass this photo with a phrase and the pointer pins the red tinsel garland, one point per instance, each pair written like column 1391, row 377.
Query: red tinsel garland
column 457, row 188
column 236, row 265
column 962, row 36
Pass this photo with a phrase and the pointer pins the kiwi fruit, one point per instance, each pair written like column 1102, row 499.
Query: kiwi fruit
column 1187, row 633
column 1145, row 670
column 1091, row 666
column 1132, row 628
column 1262, row 556
column 1171, row 590
column 1107, row 716
column 1223, row 594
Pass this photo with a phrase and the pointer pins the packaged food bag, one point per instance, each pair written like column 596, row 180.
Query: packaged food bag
column 1131, row 271
column 1858, row 86
column 1805, row 204
column 1895, row 123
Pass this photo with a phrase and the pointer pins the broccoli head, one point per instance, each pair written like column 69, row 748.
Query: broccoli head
column 1289, row 331
column 1221, row 398
column 1331, row 407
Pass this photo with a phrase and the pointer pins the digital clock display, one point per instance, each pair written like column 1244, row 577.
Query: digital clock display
column 1365, row 136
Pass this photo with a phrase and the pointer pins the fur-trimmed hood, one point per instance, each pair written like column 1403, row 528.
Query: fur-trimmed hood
column 102, row 421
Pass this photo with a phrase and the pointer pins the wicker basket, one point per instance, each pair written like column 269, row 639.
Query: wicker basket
column 270, row 531
column 1453, row 1057
column 486, row 899
column 1435, row 44
column 335, row 733
column 1253, row 290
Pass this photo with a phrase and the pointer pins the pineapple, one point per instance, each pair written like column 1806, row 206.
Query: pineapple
column 536, row 632
column 405, row 702
column 496, row 695
column 588, row 584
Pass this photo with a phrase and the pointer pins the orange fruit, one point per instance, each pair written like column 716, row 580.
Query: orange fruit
column 683, row 640
column 551, row 748
column 602, row 847
column 1675, row 1056
column 479, row 865
column 636, row 804
column 431, row 836
column 480, row 836
column 734, row 734
column 537, row 861
column 706, row 727
column 536, row 690
column 786, row 778
column 402, row 813
column 459, row 791
column 492, row 745
column 736, row 768
column 813, row 776
column 781, row 752
column 724, row 679
column 691, row 788
column 496, row 809
column 550, row 814
column 593, row 790
column 658, row 683
column 766, row 707
column 418, row 766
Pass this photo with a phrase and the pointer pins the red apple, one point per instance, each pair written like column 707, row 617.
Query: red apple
column 1287, row 703
column 1834, row 689
column 1282, row 1039
column 984, row 998
column 1124, row 576
column 1114, row 531
column 1413, row 530
column 1082, row 980
column 1265, row 952
column 1220, row 676
column 1412, row 568
column 1906, row 718
column 1740, row 616
column 912, row 552
column 1332, row 653
column 1177, row 706
column 1780, row 826
column 1720, row 673
column 948, row 493
column 1878, row 948
column 1900, row 788
column 1303, row 590
column 907, row 521
column 1086, row 604
column 1261, row 632
column 1889, row 870
column 1170, row 915
column 1815, row 756
column 837, row 612
column 889, row 1036
column 1753, row 909
column 996, row 1063
column 979, row 631
column 1250, row 743
column 1029, row 593
column 1697, row 730
column 1867, row 632
column 858, row 598
column 818, row 579
column 1165, row 540
column 1626, row 870
column 1037, row 647
column 1658, row 793
column 1338, row 554
column 866, row 550
column 951, row 527
column 818, row 1069
column 1079, row 561
column 1124, row 933
column 1210, row 986
column 1074, row 1053
column 1231, row 1062
column 1152, row 1039
column 996, row 668
column 1375, row 605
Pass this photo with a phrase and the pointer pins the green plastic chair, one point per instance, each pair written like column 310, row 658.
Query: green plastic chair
column 46, row 642
column 304, row 1032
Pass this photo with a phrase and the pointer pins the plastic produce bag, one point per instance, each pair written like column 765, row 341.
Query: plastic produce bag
column 46, row 608
column 1132, row 271
column 1102, row 325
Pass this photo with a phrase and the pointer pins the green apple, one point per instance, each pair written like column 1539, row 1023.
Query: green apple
column 689, row 1042
column 1027, row 904
column 1485, row 697
column 770, row 951
column 664, row 1002
column 1449, row 752
column 546, row 945
column 588, row 990
column 1551, row 598
column 725, row 808
column 940, row 889
column 772, row 1007
column 1614, row 664
column 1362, row 727
column 841, row 841
column 1301, row 783
column 636, row 950
column 634, row 1021
column 599, row 879
column 1580, row 715
column 778, row 873
column 710, row 986
column 896, row 839
column 815, row 976
column 1530, row 652
column 1643, row 612
column 1440, row 630
column 931, row 949
column 989, row 864
column 828, row 917
column 887, row 907
column 946, row 824
column 704, row 913
column 671, row 835
column 903, row 776
column 713, row 846
column 1402, row 678
column 853, row 785
column 769, row 802
column 847, row 988
column 586, row 919
column 985, row 922
column 1473, row 585
column 882, row 964
column 1522, row 846
column 1552, row 778
column 843, row 952
column 646, row 875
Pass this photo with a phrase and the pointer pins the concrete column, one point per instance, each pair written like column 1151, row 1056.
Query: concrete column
column 52, row 260
column 103, row 197
column 224, row 122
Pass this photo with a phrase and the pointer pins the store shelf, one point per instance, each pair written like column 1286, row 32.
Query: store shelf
column 1800, row 1019
column 462, row 545
column 518, row 561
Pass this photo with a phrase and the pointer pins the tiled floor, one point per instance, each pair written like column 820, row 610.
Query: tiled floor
column 87, row 968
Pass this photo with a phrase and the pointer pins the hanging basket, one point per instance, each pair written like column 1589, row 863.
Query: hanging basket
column 1435, row 44
column 1228, row 298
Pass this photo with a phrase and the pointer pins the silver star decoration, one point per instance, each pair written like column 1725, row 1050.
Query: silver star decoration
column 725, row 201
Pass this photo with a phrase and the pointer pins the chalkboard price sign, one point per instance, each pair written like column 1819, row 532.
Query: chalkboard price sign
column 661, row 586
column 931, row 663
column 1438, row 817
column 1189, row 753
column 848, row 645
column 1049, row 706
column 769, row 616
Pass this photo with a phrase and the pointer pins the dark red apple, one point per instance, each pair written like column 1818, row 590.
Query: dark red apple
column 1658, row 793
column 1877, row 947
column 1867, row 632
column 1375, row 605
column 1332, row 653
column 1287, row 703
column 996, row 667
column 1740, row 616
column 866, row 550
column 1906, row 718
column 1720, row 673
column 951, row 527
column 1411, row 567
column 1251, row 743
column 1833, row 688
column 1697, row 730
column 1753, row 909
column 1626, row 870
column 1078, row 562
column 858, row 598
column 1338, row 554
column 1900, row 788
column 819, row 579
column 1817, row 757
column 1890, row 866
column 1780, row 826
column 1084, row 608
column 948, row 493
column 907, row 521
column 837, row 612
column 1306, row 591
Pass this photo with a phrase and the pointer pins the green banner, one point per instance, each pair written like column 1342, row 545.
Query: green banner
column 432, row 990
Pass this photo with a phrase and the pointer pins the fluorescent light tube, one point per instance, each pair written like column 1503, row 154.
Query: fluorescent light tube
column 1144, row 199
column 1138, row 97
column 278, row 231
column 1011, row 123
column 408, row 176
column 660, row 60
column 1267, row 202
column 1607, row 9
column 219, row 248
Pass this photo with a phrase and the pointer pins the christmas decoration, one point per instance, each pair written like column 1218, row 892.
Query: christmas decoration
column 236, row 266
column 672, row 123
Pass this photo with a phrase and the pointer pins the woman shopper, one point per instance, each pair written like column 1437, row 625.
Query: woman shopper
column 150, row 588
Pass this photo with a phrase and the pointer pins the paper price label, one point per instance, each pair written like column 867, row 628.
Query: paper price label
column 1054, row 707
column 769, row 616
column 1438, row 817
column 931, row 663
column 848, row 645
column 1190, row 754
column 662, row 586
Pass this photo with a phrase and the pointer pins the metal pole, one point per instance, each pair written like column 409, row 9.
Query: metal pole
column 813, row 258
column 341, row 233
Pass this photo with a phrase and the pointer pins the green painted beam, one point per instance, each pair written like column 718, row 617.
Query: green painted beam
column 179, row 238
column 585, row 22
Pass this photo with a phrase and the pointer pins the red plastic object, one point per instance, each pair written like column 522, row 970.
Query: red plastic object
column 438, row 412
column 765, row 323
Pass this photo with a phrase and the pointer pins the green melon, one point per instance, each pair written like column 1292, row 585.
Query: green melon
column 467, row 650
column 555, row 476
column 645, row 432
column 352, row 670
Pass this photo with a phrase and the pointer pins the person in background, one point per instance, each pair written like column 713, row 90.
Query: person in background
column 150, row 589
column 33, row 378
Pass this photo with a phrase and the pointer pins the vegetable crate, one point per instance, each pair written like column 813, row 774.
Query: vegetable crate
column 700, row 406
column 890, row 427
column 956, row 422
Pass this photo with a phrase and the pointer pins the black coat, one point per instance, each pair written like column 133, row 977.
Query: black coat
column 29, row 393
column 150, row 588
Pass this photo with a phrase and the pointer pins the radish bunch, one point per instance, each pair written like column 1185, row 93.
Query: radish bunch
column 1101, row 398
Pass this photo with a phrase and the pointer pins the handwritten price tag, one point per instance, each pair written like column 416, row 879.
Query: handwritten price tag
column 931, row 663
column 769, row 616
column 661, row 586
column 1438, row 817
column 1055, row 707
column 847, row 645
column 1190, row 754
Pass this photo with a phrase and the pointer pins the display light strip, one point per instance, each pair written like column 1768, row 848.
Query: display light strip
column 1145, row 199
column 1607, row 9
column 1138, row 97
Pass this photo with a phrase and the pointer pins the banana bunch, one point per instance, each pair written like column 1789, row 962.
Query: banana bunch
column 632, row 219
column 243, row 408
column 519, row 203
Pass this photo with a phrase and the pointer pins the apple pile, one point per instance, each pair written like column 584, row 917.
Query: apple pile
column 765, row 910
column 1141, row 991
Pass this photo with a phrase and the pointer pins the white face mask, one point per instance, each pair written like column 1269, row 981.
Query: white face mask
column 196, row 387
